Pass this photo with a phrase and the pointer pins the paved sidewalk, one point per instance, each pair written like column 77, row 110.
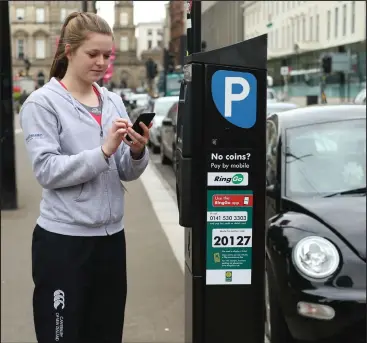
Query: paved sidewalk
column 155, row 305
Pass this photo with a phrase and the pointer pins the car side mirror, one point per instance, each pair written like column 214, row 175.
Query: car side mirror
column 167, row 122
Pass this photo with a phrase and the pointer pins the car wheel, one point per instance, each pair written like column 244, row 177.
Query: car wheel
column 164, row 159
column 276, row 329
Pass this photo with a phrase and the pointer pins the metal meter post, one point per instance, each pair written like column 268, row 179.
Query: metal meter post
column 220, row 184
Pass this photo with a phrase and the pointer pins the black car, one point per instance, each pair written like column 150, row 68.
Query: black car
column 316, row 225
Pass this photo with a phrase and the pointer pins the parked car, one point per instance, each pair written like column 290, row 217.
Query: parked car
column 316, row 225
column 168, row 137
column 161, row 107
column 271, row 95
column 276, row 107
column 360, row 99
column 139, row 100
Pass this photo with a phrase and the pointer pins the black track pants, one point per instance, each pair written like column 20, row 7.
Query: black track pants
column 80, row 287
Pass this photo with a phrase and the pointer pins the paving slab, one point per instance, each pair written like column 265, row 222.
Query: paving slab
column 155, row 303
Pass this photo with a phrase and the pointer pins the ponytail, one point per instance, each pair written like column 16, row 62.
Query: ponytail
column 60, row 62
column 74, row 33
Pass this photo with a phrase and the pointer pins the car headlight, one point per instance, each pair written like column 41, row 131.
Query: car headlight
column 316, row 257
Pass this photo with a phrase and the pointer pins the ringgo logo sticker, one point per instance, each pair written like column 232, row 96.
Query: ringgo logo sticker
column 227, row 179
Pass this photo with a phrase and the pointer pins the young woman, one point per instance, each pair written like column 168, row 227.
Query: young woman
column 75, row 136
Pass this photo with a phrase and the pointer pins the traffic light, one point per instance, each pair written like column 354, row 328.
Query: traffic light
column 152, row 69
column 169, row 62
column 326, row 64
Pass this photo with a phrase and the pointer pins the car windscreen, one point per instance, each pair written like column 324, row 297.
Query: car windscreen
column 325, row 158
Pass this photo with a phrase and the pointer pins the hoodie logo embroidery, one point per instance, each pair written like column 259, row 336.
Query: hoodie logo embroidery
column 32, row 136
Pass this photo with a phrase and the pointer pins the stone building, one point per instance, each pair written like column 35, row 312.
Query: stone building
column 35, row 27
column 177, row 19
column 128, row 69
column 35, row 30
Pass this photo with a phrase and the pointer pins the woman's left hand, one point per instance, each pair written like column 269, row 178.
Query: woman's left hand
column 138, row 143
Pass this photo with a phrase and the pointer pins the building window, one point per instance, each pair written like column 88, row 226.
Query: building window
column 124, row 19
column 353, row 22
column 40, row 48
column 124, row 44
column 328, row 24
column 336, row 22
column 304, row 29
column 62, row 15
column 160, row 43
column 160, row 32
column 344, row 19
column 317, row 28
column 298, row 29
column 20, row 13
column 150, row 43
column 20, row 48
column 40, row 15
column 150, row 32
column 283, row 37
column 311, row 29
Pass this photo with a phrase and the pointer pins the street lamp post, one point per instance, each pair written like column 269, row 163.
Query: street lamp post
column 85, row 5
column 193, row 26
column 8, row 175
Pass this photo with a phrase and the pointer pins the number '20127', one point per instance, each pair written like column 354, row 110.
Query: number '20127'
column 231, row 240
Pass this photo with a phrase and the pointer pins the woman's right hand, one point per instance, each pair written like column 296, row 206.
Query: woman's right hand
column 115, row 135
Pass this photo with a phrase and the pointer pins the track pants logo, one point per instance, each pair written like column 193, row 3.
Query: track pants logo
column 59, row 299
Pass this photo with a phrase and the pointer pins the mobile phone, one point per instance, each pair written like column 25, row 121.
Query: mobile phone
column 146, row 118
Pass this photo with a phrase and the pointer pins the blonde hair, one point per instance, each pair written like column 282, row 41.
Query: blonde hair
column 75, row 31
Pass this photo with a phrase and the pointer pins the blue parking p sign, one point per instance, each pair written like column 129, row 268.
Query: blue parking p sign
column 235, row 95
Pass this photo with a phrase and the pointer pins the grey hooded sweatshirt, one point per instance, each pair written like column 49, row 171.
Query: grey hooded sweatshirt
column 82, row 192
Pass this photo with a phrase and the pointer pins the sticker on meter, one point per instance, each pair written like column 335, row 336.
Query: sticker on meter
column 227, row 216
column 232, row 238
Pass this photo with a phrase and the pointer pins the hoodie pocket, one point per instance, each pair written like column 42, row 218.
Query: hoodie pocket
column 79, row 192
column 84, row 192
column 115, row 195
column 91, row 204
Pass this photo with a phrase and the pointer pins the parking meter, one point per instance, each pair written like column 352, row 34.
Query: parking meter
column 220, row 185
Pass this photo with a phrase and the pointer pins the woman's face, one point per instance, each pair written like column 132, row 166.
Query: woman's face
column 91, row 59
